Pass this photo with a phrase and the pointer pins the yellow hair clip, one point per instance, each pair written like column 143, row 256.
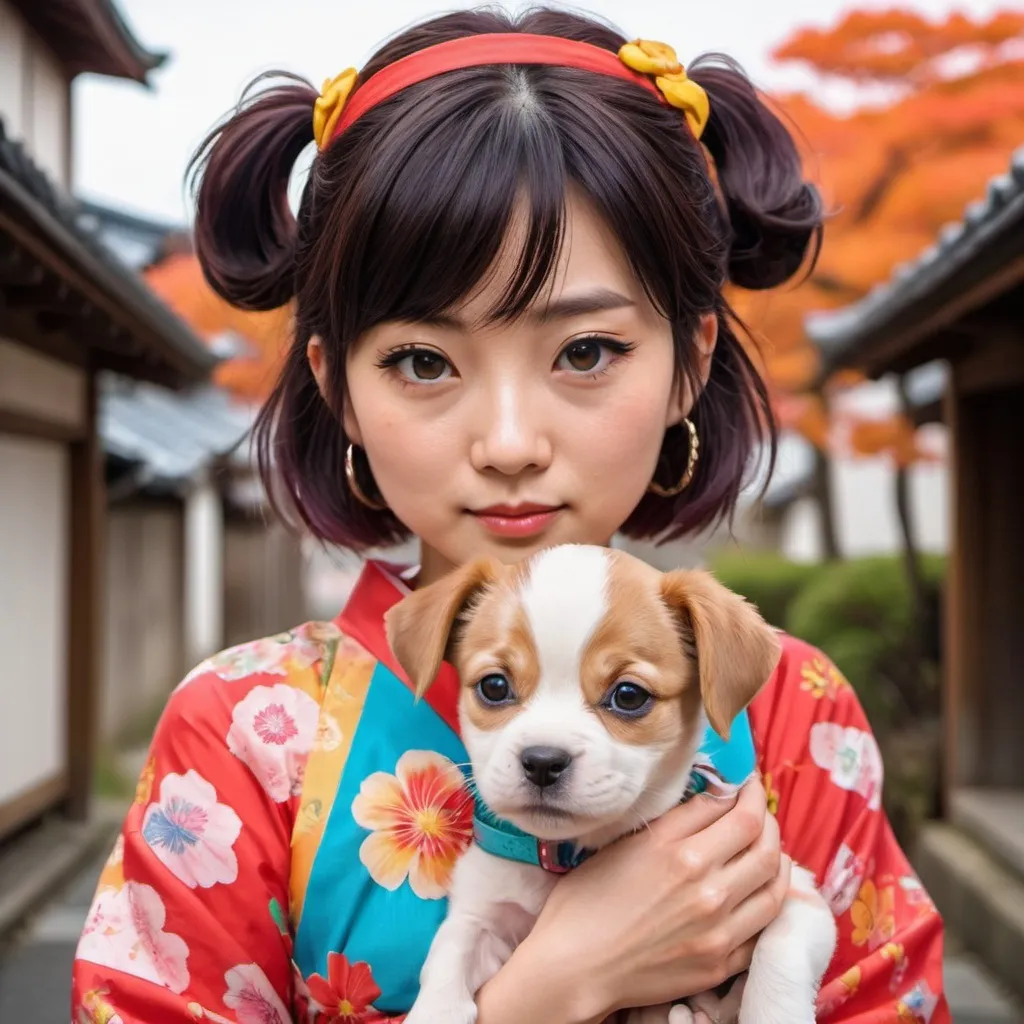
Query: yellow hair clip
column 650, row 58
column 330, row 103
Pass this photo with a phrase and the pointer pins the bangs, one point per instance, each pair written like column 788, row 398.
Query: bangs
column 457, row 195
column 472, row 180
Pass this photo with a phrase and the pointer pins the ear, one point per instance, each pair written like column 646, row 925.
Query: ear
column 419, row 627
column 317, row 359
column 686, row 392
column 736, row 649
column 316, row 356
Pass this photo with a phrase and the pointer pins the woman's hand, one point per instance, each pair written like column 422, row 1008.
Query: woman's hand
column 669, row 912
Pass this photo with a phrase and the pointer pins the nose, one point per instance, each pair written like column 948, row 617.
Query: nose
column 512, row 439
column 544, row 765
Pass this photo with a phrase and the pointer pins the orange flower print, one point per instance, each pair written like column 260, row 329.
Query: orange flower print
column 421, row 820
column 347, row 993
column 144, row 787
column 771, row 793
column 872, row 913
column 96, row 1010
column 820, row 678
column 895, row 952
column 838, row 992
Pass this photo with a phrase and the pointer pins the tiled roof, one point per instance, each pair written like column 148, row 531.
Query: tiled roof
column 171, row 438
column 951, row 265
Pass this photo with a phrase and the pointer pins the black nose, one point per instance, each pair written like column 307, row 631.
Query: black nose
column 543, row 765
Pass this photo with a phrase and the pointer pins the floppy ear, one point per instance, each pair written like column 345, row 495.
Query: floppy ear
column 419, row 627
column 736, row 649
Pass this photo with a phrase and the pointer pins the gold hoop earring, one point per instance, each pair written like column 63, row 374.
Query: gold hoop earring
column 353, row 483
column 692, row 457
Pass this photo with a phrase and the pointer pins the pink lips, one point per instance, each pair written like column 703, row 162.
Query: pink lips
column 518, row 521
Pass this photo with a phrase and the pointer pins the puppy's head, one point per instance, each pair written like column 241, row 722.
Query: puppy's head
column 587, row 679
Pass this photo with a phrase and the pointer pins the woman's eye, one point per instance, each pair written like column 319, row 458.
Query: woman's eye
column 629, row 699
column 494, row 689
column 423, row 366
column 591, row 355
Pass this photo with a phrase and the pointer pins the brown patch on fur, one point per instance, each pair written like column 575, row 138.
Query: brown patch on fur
column 639, row 641
column 419, row 627
column 497, row 638
column 736, row 649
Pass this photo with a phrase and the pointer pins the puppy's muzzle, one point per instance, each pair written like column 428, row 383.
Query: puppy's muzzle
column 544, row 766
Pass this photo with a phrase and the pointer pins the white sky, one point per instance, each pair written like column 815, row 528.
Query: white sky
column 132, row 144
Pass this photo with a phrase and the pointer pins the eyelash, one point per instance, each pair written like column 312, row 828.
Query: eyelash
column 620, row 349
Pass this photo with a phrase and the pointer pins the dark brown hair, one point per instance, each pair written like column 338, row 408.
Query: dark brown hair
column 403, row 215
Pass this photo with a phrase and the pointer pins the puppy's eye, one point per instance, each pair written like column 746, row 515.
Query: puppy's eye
column 494, row 689
column 628, row 699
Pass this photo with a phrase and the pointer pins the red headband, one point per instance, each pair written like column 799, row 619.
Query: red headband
column 478, row 50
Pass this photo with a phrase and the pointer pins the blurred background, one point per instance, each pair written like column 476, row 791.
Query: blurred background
column 135, row 539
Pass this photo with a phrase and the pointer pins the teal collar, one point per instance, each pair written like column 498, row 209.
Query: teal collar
column 718, row 762
column 501, row 838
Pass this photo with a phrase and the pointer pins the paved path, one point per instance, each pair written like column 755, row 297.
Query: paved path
column 35, row 973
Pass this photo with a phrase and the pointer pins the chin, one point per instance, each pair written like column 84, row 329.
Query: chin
column 564, row 815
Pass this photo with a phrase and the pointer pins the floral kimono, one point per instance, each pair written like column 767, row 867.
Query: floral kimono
column 293, row 831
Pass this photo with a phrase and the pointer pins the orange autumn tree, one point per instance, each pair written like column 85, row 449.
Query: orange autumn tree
column 178, row 280
column 892, row 173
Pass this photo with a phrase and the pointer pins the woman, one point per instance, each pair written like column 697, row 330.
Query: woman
column 507, row 273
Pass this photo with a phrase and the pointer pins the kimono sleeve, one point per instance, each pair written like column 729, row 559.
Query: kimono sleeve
column 822, row 771
column 189, row 921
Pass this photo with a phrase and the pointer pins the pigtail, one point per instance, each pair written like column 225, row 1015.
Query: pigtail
column 245, row 231
column 775, row 215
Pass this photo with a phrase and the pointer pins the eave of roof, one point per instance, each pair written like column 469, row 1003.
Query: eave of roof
column 90, row 36
column 52, row 270
column 965, row 255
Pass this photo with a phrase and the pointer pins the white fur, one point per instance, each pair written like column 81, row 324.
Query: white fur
column 610, row 789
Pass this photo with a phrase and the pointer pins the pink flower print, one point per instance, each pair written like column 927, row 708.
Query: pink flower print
column 125, row 932
column 264, row 657
column 852, row 758
column 272, row 731
column 274, row 725
column 253, row 998
column 843, row 880
column 191, row 833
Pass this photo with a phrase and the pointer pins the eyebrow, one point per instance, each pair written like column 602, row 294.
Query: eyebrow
column 598, row 300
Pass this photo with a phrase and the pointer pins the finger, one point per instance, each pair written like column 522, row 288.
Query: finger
column 756, row 912
column 739, row 959
column 726, row 1008
column 759, row 865
column 736, row 830
column 696, row 815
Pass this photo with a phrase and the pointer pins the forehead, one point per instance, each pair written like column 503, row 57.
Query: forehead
column 590, row 256
column 572, row 602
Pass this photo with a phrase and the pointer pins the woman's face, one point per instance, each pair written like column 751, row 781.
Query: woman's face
column 501, row 439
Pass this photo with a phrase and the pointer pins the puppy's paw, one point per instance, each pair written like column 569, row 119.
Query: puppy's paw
column 433, row 1008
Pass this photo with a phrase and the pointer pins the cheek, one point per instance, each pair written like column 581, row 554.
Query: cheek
column 620, row 437
column 409, row 448
column 633, row 763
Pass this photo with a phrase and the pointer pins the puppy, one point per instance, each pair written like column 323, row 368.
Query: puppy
column 588, row 680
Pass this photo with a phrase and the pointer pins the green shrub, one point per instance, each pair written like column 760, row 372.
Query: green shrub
column 859, row 613
column 767, row 580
